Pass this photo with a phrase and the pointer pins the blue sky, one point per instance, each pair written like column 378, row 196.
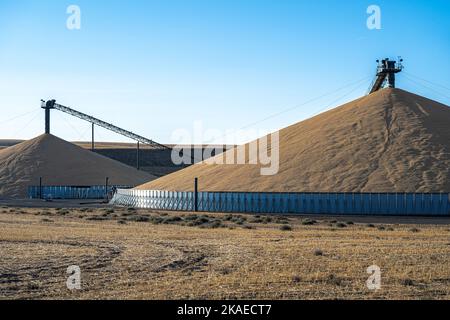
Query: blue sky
column 157, row 66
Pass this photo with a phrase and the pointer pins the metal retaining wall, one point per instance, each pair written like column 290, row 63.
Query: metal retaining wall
column 70, row 192
column 419, row 204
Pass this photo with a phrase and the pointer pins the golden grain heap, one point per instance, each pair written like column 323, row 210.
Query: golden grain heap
column 389, row 141
column 59, row 163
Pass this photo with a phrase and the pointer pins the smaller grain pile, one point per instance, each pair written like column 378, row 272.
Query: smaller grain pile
column 59, row 163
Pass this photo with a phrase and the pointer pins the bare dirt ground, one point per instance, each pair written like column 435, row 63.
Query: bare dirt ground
column 129, row 254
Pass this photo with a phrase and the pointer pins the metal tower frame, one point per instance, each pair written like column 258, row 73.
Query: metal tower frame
column 386, row 71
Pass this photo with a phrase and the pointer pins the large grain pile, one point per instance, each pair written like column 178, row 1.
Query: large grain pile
column 389, row 141
column 59, row 162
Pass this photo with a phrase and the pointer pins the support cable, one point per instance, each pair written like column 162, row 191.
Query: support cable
column 305, row 103
column 334, row 102
column 26, row 125
column 18, row 116
column 430, row 82
column 70, row 125
column 426, row 87
column 317, row 98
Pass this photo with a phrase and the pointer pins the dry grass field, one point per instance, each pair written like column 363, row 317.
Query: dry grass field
column 129, row 254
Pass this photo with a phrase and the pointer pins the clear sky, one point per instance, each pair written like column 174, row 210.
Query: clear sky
column 157, row 66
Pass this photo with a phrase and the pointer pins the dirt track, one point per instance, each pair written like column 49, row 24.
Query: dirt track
column 182, row 255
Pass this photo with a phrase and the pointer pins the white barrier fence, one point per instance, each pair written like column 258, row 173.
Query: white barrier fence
column 418, row 204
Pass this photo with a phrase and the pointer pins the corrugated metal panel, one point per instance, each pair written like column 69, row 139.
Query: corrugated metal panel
column 306, row 203
column 70, row 192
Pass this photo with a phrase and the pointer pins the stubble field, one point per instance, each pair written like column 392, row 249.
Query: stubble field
column 129, row 254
